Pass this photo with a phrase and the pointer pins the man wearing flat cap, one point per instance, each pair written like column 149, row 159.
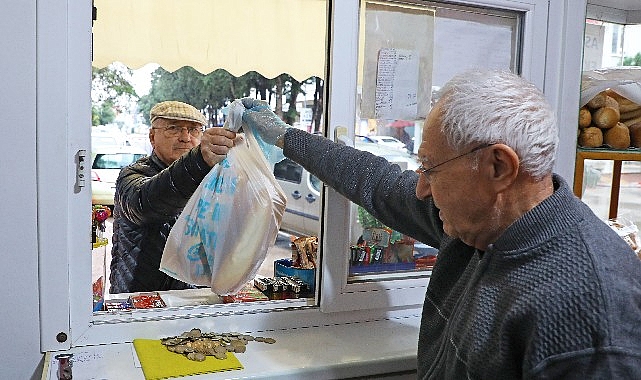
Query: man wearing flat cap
column 152, row 192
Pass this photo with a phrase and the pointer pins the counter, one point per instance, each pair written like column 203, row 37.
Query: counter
column 381, row 348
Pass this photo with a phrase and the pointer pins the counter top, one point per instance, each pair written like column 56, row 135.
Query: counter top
column 317, row 352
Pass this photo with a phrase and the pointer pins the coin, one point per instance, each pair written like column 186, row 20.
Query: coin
column 197, row 356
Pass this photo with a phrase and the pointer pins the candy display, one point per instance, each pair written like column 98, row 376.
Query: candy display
column 99, row 215
column 283, row 287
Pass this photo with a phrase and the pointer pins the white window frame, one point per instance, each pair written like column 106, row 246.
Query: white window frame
column 337, row 293
column 63, row 117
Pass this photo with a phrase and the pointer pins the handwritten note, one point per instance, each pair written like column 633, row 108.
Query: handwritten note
column 397, row 84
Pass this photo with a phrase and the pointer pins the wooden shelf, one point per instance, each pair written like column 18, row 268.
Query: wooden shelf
column 617, row 156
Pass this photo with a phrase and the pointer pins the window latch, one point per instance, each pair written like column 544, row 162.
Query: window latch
column 80, row 168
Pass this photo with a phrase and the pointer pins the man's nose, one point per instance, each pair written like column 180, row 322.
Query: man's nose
column 423, row 188
column 184, row 134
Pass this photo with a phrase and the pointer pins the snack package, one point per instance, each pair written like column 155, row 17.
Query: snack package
column 628, row 232
column 222, row 236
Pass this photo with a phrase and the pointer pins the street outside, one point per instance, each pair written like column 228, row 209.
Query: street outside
column 598, row 182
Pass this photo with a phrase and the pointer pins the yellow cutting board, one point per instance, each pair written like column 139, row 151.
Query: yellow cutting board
column 159, row 363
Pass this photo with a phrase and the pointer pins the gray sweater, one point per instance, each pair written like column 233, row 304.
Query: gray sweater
column 557, row 296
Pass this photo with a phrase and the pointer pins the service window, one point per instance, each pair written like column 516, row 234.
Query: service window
column 207, row 65
column 355, row 76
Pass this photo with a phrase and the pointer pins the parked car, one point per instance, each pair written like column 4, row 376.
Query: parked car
column 302, row 214
column 388, row 141
column 106, row 163
column 303, row 189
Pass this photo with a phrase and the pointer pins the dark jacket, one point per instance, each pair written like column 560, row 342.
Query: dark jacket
column 149, row 198
column 557, row 296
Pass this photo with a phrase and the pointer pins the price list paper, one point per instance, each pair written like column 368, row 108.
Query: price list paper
column 397, row 84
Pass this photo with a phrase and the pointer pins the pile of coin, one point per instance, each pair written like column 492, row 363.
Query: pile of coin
column 196, row 345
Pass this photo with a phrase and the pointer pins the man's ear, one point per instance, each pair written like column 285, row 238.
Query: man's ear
column 504, row 165
column 151, row 137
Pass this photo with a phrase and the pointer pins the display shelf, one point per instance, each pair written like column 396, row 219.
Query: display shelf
column 617, row 156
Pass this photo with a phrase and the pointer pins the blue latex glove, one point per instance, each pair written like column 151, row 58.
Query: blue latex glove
column 260, row 118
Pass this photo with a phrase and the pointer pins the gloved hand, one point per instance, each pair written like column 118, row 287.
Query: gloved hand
column 260, row 118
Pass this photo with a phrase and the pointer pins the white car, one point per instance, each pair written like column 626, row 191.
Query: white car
column 302, row 214
column 388, row 141
column 106, row 163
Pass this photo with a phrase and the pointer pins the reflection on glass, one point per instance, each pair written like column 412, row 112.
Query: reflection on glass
column 399, row 79
column 607, row 46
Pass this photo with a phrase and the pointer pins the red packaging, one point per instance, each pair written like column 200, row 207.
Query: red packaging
column 247, row 294
column 147, row 301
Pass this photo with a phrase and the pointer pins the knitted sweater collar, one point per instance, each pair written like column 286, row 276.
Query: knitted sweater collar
column 555, row 214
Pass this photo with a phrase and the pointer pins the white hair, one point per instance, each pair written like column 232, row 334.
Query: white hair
column 489, row 106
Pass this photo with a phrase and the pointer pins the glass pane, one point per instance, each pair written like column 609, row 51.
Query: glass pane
column 399, row 79
column 597, row 185
column 610, row 45
column 612, row 51
column 208, row 70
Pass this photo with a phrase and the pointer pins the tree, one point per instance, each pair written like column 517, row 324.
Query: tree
column 109, row 88
column 209, row 93
column 212, row 92
column 632, row 61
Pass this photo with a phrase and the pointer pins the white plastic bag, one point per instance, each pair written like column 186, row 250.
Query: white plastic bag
column 223, row 234
column 626, row 81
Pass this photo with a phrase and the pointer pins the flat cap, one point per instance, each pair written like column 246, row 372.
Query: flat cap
column 176, row 110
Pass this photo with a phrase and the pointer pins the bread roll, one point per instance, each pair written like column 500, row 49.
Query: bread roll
column 613, row 94
column 631, row 114
column 628, row 107
column 611, row 102
column 618, row 137
column 591, row 137
column 597, row 102
column 606, row 117
column 635, row 135
column 632, row 121
column 585, row 117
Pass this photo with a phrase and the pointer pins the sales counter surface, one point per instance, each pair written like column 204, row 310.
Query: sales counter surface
column 376, row 349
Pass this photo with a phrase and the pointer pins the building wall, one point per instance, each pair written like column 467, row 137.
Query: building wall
column 20, row 356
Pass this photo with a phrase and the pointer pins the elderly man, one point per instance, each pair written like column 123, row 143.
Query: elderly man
column 529, row 283
column 151, row 193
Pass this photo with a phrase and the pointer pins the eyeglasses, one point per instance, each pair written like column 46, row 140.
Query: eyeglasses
column 175, row 131
column 427, row 171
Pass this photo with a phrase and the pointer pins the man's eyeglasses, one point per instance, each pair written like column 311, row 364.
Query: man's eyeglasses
column 175, row 131
column 427, row 171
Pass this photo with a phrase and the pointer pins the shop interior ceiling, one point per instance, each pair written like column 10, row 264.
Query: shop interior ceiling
column 268, row 36
column 626, row 5
column 617, row 11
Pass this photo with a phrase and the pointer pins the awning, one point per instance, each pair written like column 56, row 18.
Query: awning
column 268, row 36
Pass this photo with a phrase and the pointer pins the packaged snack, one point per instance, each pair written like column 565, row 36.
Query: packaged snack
column 628, row 231
column 147, row 301
column 118, row 304
column 248, row 293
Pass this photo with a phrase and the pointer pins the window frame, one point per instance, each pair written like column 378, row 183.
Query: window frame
column 63, row 113
column 337, row 293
